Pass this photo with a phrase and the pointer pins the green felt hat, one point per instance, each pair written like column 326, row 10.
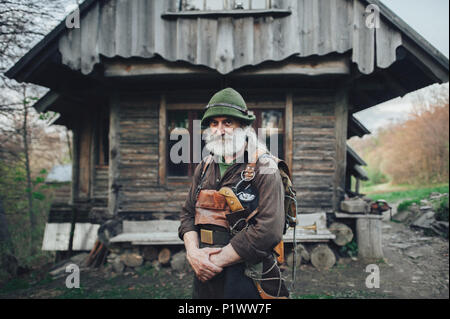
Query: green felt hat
column 227, row 102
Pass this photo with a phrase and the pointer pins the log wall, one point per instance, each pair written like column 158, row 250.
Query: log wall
column 314, row 151
column 135, row 185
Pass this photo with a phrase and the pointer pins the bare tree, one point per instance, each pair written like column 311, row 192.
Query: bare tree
column 22, row 24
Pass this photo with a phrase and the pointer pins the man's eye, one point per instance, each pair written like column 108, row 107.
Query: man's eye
column 228, row 123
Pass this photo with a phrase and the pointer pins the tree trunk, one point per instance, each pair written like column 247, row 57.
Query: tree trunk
column 322, row 257
column 164, row 256
column 28, row 172
column 343, row 233
column 5, row 235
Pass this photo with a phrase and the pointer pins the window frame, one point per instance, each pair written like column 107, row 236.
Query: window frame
column 257, row 108
column 227, row 5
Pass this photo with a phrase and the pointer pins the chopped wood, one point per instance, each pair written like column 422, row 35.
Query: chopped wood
column 150, row 253
column 322, row 257
column 343, row 233
column 164, row 256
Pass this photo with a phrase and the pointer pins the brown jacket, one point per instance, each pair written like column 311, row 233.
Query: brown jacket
column 257, row 242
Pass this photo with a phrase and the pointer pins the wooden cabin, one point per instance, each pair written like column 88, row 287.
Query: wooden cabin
column 136, row 70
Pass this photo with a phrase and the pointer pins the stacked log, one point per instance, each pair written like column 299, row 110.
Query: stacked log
column 343, row 233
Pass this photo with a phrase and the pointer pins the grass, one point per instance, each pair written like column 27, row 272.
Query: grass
column 146, row 283
column 411, row 193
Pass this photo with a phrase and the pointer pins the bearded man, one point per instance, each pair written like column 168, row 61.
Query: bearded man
column 233, row 217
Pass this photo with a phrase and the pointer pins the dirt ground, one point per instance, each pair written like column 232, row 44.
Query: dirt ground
column 415, row 266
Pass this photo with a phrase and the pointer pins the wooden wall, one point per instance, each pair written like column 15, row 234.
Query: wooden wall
column 132, row 183
column 314, row 151
column 135, row 139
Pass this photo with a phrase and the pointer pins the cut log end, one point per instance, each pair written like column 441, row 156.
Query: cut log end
column 343, row 233
column 164, row 256
column 322, row 257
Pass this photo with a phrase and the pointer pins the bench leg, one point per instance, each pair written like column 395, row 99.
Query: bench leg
column 368, row 232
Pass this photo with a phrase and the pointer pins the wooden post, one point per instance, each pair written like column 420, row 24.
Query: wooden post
column 114, row 155
column 289, row 115
column 341, row 115
column 75, row 162
column 162, row 140
column 368, row 231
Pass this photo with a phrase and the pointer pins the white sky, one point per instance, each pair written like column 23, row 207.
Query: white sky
column 430, row 18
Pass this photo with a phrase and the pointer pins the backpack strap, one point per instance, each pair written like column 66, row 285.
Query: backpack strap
column 208, row 160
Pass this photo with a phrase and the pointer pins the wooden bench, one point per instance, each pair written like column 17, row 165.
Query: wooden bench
column 165, row 232
column 368, row 234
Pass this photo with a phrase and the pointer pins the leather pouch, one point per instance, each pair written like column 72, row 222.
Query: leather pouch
column 211, row 208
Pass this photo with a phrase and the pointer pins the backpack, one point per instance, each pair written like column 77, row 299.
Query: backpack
column 290, row 201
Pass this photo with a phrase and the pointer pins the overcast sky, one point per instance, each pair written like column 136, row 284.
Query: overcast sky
column 430, row 18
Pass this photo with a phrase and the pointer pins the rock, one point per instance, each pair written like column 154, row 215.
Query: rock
column 400, row 245
column 60, row 271
column 132, row 259
column 79, row 259
column 425, row 208
column 424, row 202
column 424, row 221
column 179, row 261
column 440, row 228
column 413, row 255
column 117, row 265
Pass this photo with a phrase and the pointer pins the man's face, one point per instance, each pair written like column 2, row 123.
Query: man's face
column 225, row 136
column 223, row 125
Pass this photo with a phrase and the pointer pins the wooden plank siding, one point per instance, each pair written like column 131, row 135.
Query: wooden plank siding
column 314, row 152
column 315, row 128
column 139, row 148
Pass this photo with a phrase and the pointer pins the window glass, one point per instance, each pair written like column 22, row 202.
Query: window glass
column 214, row 4
column 180, row 160
column 223, row 4
column 177, row 126
column 272, row 123
column 258, row 4
column 180, row 125
column 192, row 4
column 242, row 4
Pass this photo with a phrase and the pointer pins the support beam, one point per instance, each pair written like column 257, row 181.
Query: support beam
column 162, row 140
column 289, row 127
column 114, row 156
column 341, row 115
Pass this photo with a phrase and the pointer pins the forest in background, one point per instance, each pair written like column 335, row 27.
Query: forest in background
column 413, row 152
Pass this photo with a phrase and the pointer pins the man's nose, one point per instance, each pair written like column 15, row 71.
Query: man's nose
column 221, row 128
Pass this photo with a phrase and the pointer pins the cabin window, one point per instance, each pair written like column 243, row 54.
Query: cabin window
column 180, row 126
column 102, row 137
column 211, row 5
column 269, row 125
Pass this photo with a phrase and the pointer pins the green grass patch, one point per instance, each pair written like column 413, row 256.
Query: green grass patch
column 13, row 285
column 441, row 209
column 412, row 194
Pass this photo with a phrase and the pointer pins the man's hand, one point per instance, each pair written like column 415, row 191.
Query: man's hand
column 199, row 259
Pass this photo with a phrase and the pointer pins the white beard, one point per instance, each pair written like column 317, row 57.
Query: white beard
column 231, row 144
